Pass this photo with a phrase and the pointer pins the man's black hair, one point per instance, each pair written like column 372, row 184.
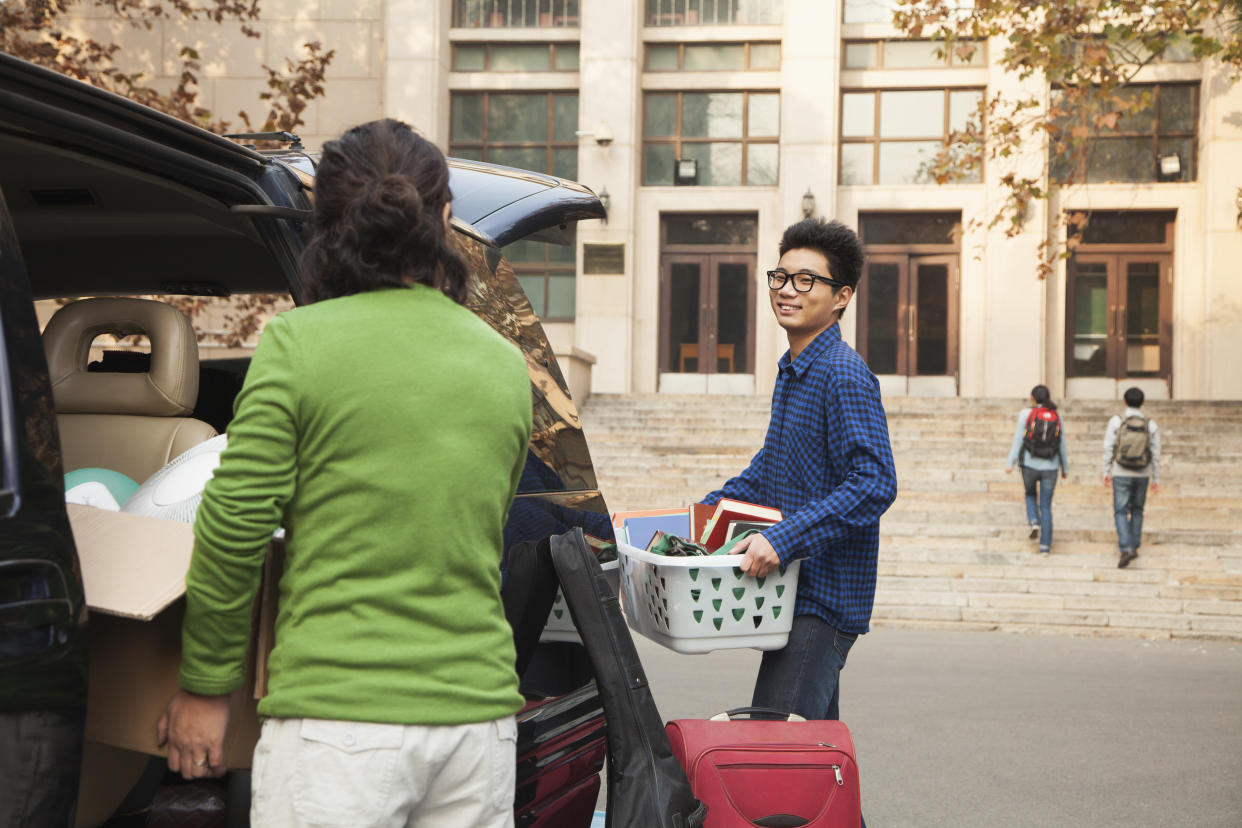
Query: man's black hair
column 836, row 242
column 1134, row 397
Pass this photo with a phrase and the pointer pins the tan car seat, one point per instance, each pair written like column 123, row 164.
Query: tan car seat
column 131, row 423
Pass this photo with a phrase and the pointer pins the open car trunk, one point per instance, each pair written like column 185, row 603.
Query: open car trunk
column 109, row 198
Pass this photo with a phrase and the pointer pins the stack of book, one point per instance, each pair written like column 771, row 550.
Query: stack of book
column 709, row 526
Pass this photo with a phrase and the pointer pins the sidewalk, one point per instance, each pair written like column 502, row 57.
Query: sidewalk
column 991, row 730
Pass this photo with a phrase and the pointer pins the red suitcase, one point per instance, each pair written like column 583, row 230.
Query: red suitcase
column 769, row 774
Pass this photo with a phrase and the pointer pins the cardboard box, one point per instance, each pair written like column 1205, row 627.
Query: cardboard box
column 133, row 570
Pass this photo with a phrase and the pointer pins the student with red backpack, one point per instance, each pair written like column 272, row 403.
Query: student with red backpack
column 1039, row 450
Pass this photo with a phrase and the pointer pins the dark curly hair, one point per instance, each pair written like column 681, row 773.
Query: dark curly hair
column 831, row 239
column 380, row 192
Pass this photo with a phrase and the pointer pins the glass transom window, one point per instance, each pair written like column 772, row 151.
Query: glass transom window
column 733, row 137
column 515, row 57
column 911, row 54
column 712, row 57
column 713, row 12
column 890, row 136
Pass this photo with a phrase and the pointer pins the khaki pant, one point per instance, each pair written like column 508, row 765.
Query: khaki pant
column 314, row 772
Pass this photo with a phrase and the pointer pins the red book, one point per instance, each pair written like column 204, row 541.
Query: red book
column 700, row 514
column 728, row 510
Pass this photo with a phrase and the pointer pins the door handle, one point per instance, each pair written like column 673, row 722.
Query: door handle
column 910, row 323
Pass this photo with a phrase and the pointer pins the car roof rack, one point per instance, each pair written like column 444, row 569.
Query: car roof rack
column 289, row 138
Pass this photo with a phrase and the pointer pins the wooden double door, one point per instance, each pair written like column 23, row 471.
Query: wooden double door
column 707, row 301
column 1119, row 315
column 908, row 314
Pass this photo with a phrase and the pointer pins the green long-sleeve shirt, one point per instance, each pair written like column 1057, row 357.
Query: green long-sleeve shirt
column 386, row 432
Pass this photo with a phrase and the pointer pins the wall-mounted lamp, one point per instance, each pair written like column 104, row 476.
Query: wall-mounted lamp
column 1170, row 167
column 605, row 201
column 602, row 134
column 685, row 172
column 1237, row 202
column 808, row 203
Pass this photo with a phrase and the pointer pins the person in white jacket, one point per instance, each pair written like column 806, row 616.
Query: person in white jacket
column 1131, row 460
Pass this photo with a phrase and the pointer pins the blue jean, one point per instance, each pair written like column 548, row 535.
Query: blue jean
column 1040, row 511
column 1129, row 497
column 804, row 676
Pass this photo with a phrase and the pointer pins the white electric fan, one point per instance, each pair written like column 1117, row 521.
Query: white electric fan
column 174, row 492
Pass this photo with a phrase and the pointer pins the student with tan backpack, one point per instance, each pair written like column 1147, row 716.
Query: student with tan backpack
column 1131, row 459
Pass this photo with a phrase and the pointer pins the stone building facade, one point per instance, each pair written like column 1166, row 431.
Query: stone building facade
column 713, row 124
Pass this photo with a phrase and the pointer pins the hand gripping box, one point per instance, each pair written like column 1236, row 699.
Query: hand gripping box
column 133, row 571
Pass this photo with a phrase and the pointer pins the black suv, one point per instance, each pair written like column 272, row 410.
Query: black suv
column 100, row 196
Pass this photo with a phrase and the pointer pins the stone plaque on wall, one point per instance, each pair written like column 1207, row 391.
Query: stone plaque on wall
column 603, row 259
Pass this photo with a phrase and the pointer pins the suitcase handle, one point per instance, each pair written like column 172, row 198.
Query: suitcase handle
column 738, row 712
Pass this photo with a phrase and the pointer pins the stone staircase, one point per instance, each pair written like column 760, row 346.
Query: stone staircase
column 954, row 549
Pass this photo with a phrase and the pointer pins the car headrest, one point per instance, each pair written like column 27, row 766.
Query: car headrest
column 169, row 389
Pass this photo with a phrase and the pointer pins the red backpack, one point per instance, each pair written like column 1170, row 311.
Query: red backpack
column 1043, row 433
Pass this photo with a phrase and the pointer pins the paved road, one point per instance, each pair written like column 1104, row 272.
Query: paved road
column 989, row 730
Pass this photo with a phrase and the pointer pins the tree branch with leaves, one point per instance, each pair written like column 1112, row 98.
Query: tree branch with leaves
column 38, row 31
column 1088, row 55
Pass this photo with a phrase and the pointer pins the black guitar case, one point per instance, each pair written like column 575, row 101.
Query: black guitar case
column 646, row 786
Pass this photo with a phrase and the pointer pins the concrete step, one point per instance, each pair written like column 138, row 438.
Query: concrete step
column 954, row 547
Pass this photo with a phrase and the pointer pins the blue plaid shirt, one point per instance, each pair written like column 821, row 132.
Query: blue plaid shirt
column 827, row 464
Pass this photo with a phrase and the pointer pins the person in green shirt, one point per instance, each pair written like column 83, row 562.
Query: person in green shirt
column 385, row 427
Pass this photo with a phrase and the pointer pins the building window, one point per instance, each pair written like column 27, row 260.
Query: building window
column 529, row 130
column 712, row 57
column 911, row 54
column 733, row 137
column 515, row 57
column 1157, row 143
column 870, row 11
column 514, row 14
column 713, row 12
column 889, row 136
column 546, row 272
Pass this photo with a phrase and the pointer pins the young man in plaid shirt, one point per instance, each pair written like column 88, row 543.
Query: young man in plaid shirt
column 826, row 463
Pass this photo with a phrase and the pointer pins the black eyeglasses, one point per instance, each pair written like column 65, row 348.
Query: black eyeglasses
column 802, row 281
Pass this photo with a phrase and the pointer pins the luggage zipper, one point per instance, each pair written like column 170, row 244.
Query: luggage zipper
column 835, row 768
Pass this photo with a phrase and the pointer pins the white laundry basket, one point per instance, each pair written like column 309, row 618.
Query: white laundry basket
column 560, row 626
column 700, row 604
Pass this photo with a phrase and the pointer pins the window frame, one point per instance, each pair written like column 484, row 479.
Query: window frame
column 548, row 270
column 676, row 140
column 876, row 140
column 492, row 16
column 550, row 145
column 675, row 17
column 1083, row 171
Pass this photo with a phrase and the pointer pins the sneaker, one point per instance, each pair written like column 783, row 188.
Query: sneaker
column 1044, row 550
column 1127, row 555
column 1034, row 531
